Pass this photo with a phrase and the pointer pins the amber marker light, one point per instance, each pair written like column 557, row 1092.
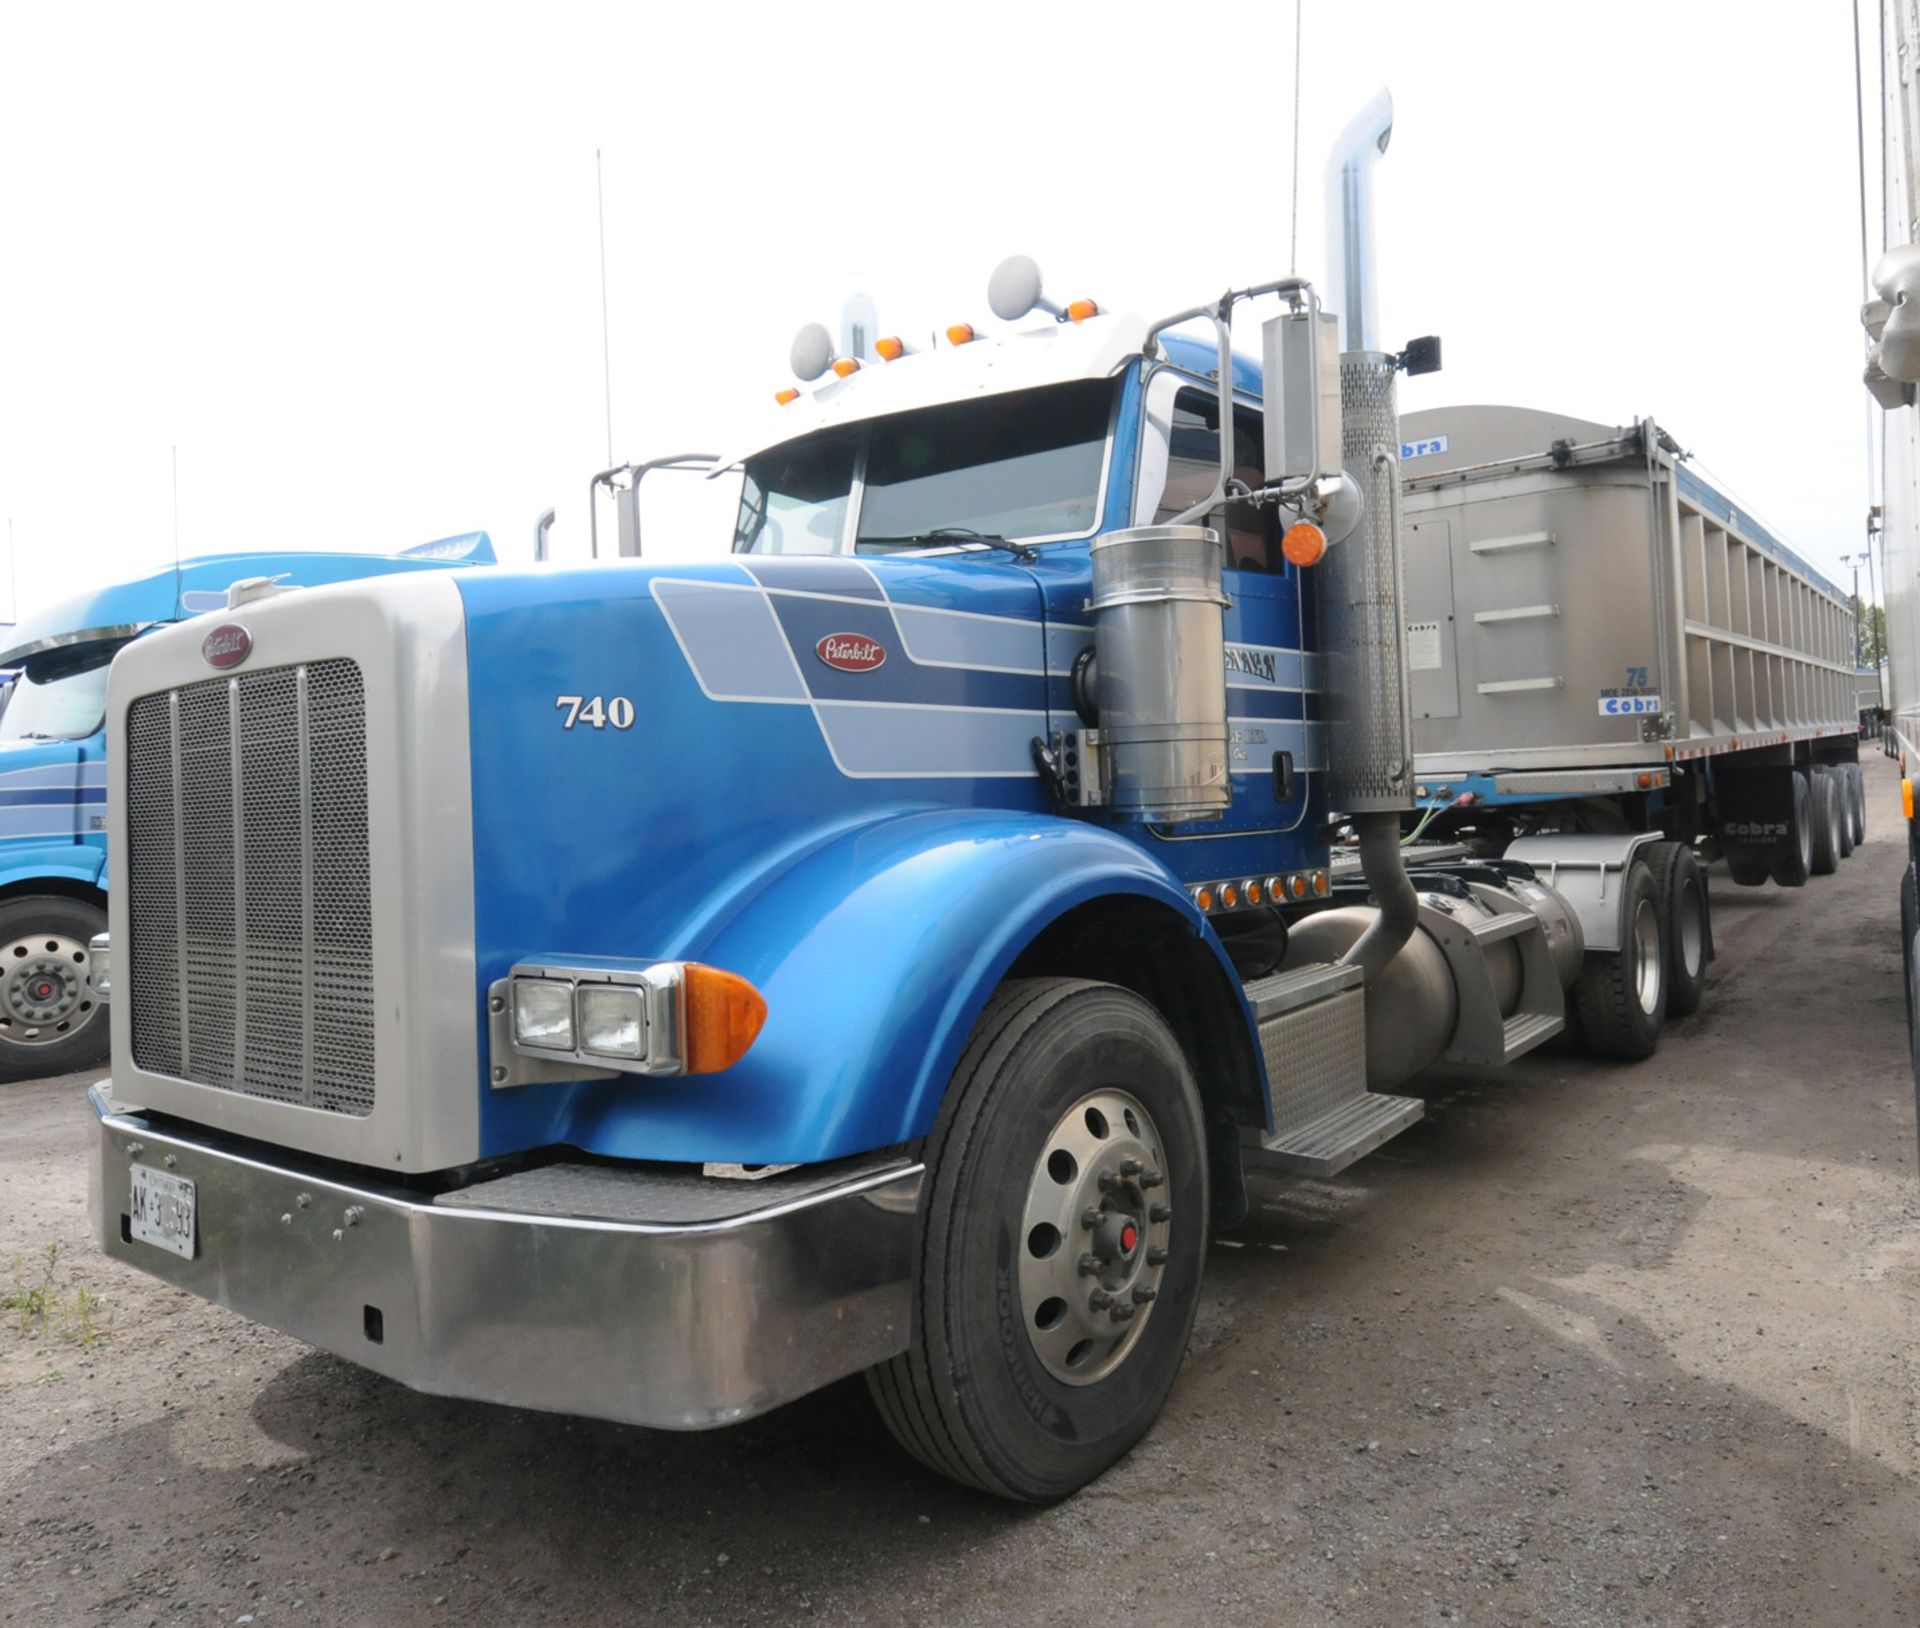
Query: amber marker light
column 1320, row 883
column 723, row 1015
column 1203, row 897
column 786, row 395
column 1080, row 310
column 847, row 366
column 889, row 349
column 961, row 333
column 1643, row 781
column 1906, row 798
column 1229, row 895
column 1304, row 544
column 1253, row 893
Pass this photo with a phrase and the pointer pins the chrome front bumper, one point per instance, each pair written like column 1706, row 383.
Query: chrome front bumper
column 671, row 1302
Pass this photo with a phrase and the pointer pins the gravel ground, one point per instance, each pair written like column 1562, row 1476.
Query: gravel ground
column 1591, row 1344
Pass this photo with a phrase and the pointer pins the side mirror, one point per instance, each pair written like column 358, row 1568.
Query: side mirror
column 1301, row 354
column 1421, row 355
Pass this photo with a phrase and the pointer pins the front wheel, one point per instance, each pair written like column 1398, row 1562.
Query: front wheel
column 1060, row 1248
column 51, row 1022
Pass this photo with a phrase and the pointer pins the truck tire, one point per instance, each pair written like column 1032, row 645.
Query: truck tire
column 1794, row 867
column 50, row 1020
column 1842, row 808
column 1826, row 823
column 1031, row 1370
column 1748, row 869
column 1622, row 994
column 1687, row 915
column 1857, row 784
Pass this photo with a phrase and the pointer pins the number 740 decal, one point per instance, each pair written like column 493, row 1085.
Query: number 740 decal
column 597, row 711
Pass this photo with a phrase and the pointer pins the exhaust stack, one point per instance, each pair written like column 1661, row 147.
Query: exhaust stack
column 1370, row 738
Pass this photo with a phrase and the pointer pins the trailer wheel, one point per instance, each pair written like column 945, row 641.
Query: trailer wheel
column 1796, row 865
column 1825, row 824
column 1622, row 994
column 50, row 1020
column 1857, row 802
column 1685, row 910
column 1061, row 1241
column 1842, row 809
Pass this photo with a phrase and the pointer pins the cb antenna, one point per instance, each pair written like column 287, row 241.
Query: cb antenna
column 606, row 351
column 1293, row 246
column 176, row 528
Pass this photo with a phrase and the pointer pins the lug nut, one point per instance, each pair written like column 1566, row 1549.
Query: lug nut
column 1108, row 1181
column 1156, row 1256
column 1092, row 1265
column 1089, row 1218
column 1099, row 1300
column 1159, row 1212
column 1131, row 1167
column 1123, row 1314
column 1151, row 1178
column 1144, row 1296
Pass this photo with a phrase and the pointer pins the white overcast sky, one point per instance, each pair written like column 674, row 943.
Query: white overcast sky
column 345, row 258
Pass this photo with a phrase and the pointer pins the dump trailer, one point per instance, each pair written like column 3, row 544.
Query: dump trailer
column 655, row 990
column 53, row 776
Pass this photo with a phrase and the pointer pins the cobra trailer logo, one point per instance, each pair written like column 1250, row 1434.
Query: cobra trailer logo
column 851, row 652
column 227, row 645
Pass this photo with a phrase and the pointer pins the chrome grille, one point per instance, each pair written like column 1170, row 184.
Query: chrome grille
column 250, row 965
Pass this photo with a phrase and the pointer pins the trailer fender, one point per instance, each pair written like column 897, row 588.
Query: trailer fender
column 876, row 954
column 1586, row 871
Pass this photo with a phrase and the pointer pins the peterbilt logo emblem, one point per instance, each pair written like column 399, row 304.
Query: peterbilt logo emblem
column 851, row 652
column 227, row 645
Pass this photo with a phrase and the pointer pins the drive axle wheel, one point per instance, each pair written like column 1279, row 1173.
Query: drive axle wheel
column 50, row 1019
column 1682, row 889
column 1622, row 994
column 1063, row 1229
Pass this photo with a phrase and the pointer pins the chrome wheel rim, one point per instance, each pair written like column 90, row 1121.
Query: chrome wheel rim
column 45, row 993
column 1646, row 955
column 1691, row 930
column 1093, row 1237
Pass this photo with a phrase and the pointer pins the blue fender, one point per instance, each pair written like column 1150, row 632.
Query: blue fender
column 68, row 861
column 876, row 953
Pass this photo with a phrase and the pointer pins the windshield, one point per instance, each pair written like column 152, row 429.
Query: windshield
column 1025, row 465
column 67, row 708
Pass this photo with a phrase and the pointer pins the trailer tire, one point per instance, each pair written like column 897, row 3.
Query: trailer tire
column 1794, row 867
column 50, row 1020
column 1748, row 869
column 1857, row 787
column 1826, row 823
column 1843, row 810
column 1687, row 915
column 1056, row 1071
column 1622, row 994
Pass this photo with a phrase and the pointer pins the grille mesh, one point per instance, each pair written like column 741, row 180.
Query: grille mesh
column 251, row 961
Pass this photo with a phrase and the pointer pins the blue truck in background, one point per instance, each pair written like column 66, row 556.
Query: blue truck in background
column 53, row 779
column 654, row 991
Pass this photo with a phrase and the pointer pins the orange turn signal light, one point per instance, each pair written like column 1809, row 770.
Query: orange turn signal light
column 724, row 1015
column 961, row 333
column 889, row 349
column 1080, row 310
column 847, row 366
column 786, row 395
column 1643, row 781
column 1304, row 543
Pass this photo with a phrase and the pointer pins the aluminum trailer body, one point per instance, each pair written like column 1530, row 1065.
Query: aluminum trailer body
column 1598, row 635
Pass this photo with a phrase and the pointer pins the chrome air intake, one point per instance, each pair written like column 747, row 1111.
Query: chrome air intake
column 1160, row 643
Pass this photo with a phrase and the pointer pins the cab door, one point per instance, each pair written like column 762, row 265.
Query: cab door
column 1276, row 749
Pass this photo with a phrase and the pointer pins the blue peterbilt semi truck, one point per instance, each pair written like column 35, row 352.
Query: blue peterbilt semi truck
column 654, row 991
column 53, row 779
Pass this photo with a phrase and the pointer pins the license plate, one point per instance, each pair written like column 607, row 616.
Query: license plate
column 162, row 1210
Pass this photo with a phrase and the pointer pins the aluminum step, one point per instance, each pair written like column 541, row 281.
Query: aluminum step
column 1526, row 1030
column 1327, row 1145
column 1511, row 925
column 1301, row 986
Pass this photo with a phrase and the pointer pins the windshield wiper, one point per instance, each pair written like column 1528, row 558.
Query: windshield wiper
column 946, row 536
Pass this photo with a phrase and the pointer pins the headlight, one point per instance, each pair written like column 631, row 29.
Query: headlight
column 543, row 1014
column 613, row 1021
column 665, row 1017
